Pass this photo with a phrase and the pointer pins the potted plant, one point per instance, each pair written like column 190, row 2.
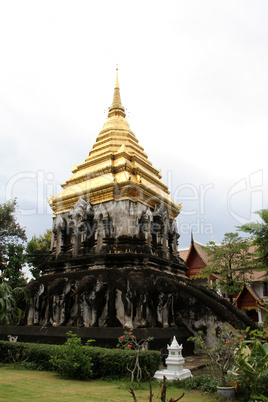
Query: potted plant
column 219, row 348
column 251, row 368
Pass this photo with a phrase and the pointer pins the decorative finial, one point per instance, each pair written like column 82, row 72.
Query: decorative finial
column 192, row 237
column 116, row 109
column 117, row 82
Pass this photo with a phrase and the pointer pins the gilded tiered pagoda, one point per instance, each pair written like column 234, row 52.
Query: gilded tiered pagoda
column 115, row 200
column 114, row 260
column 116, row 169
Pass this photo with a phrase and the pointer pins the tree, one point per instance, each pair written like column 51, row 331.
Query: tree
column 37, row 250
column 231, row 261
column 10, row 303
column 12, row 237
column 259, row 231
column 16, row 260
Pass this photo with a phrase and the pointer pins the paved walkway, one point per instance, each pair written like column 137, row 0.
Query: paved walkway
column 194, row 362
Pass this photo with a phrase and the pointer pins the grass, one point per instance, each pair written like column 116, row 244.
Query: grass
column 20, row 384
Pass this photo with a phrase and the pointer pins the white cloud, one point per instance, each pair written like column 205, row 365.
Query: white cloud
column 193, row 76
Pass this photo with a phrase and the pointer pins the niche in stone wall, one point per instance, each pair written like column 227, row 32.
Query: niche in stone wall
column 156, row 230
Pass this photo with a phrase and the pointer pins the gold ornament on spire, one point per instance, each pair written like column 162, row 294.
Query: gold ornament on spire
column 116, row 109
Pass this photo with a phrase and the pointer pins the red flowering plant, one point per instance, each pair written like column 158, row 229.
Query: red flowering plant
column 219, row 348
column 129, row 341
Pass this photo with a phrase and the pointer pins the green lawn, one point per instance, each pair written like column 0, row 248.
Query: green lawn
column 26, row 385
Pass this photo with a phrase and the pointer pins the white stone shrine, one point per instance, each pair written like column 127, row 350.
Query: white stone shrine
column 174, row 362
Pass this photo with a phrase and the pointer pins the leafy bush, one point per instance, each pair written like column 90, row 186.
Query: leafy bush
column 10, row 298
column 251, row 369
column 71, row 361
column 113, row 363
column 107, row 363
column 205, row 383
column 36, row 354
column 220, row 354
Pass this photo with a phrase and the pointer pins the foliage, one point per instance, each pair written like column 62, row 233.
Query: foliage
column 251, row 367
column 230, row 261
column 107, row 363
column 36, row 355
column 114, row 363
column 19, row 358
column 206, row 383
column 260, row 333
column 16, row 260
column 71, row 361
column 10, row 298
column 37, row 250
column 129, row 341
column 12, row 237
column 259, row 231
column 220, row 354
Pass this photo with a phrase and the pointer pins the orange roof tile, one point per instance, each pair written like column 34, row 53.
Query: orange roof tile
column 184, row 254
column 253, row 294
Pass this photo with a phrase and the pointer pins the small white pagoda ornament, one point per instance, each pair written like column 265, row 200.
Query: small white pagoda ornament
column 174, row 362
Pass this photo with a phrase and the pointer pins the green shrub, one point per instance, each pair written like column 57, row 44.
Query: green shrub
column 113, row 363
column 71, row 361
column 251, row 368
column 36, row 354
column 244, row 391
column 107, row 363
column 205, row 383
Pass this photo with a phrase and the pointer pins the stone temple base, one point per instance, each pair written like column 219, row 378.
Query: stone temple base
column 103, row 337
column 172, row 375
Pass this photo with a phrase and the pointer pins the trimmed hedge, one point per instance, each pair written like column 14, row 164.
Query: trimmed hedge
column 33, row 354
column 113, row 363
column 107, row 363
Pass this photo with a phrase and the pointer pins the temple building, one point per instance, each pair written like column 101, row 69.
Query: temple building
column 114, row 261
column 253, row 297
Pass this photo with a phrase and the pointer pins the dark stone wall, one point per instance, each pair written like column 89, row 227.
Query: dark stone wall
column 103, row 337
column 116, row 265
column 129, row 293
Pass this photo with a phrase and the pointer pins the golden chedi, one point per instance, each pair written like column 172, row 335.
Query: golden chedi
column 117, row 168
column 114, row 260
column 119, row 187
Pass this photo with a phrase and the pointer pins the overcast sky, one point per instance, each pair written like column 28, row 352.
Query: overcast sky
column 193, row 77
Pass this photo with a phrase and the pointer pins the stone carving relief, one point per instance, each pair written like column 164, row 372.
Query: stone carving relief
column 59, row 236
column 58, row 294
column 131, row 298
column 113, row 227
column 173, row 238
column 73, row 231
column 92, row 301
column 35, row 306
column 114, row 264
column 76, row 224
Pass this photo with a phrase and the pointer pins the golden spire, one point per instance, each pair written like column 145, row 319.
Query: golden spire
column 117, row 168
column 116, row 109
